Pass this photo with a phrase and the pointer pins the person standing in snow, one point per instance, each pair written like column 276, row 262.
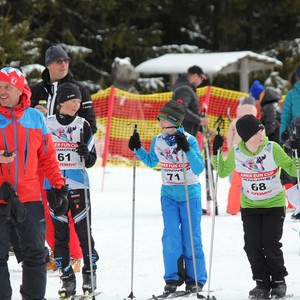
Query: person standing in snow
column 25, row 145
column 75, row 146
column 263, row 201
column 170, row 148
column 185, row 89
column 58, row 71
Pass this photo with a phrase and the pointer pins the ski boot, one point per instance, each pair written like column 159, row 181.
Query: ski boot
column 278, row 288
column 87, row 280
column 170, row 287
column 192, row 288
column 68, row 288
column 261, row 291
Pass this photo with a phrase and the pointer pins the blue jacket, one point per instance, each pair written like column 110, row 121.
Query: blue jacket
column 163, row 151
column 291, row 107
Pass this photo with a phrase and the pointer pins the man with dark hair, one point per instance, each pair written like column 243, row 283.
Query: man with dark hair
column 185, row 89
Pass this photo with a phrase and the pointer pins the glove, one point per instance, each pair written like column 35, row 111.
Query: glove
column 61, row 200
column 285, row 136
column 83, row 150
column 182, row 143
column 134, row 142
column 295, row 145
column 16, row 208
column 217, row 143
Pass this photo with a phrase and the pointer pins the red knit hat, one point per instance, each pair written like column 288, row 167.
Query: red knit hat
column 13, row 76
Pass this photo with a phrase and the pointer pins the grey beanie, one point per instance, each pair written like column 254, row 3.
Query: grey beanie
column 67, row 91
column 55, row 52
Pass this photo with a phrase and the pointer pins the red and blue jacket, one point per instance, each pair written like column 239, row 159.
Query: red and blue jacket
column 24, row 131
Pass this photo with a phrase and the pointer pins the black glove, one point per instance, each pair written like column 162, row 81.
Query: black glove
column 218, row 143
column 61, row 200
column 16, row 208
column 134, row 142
column 295, row 145
column 83, row 150
column 285, row 136
column 182, row 143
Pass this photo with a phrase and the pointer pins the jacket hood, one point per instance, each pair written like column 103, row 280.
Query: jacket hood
column 271, row 95
column 23, row 104
column 182, row 80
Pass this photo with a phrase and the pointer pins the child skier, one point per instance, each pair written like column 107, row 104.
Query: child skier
column 263, row 201
column 74, row 142
column 168, row 148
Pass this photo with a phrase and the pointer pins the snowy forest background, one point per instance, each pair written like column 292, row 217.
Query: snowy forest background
column 95, row 32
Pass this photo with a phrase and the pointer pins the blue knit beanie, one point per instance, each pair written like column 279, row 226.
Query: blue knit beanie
column 256, row 89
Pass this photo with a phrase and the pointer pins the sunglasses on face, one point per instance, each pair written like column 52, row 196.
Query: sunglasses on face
column 62, row 60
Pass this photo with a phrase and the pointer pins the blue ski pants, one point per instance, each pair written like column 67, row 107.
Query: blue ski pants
column 177, row 251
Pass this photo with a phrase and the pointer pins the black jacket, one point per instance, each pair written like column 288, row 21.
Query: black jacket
column 185, row 91
column 271, row 113
column 45, row 90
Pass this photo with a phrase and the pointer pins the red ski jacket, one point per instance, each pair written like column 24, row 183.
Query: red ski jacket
column 24, row 131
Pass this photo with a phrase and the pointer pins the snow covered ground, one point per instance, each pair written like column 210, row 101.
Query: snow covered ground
column 112, row 231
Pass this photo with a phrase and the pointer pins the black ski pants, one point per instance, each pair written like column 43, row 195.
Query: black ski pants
column 262, row 234
column 62, row 231
column 31, row 234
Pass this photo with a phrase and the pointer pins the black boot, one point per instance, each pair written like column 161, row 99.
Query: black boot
column 68, row 284
column 87, row 280
column 278, row 288
column 171, row 286
column 192, row 288
column 262, row 289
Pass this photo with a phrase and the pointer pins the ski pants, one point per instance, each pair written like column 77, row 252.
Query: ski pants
column 177, row 251
column 62, row 230
column 31, row 235
column 262, row 234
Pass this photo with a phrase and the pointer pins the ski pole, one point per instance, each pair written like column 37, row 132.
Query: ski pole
column 88, row 208
column 190, row 225
column 213, row 225
column 131, row 295
column 208, row 170
column 298, row 179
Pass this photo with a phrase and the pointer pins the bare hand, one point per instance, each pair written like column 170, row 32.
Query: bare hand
column 41, row 108
column 204, row 121
column 6, row 159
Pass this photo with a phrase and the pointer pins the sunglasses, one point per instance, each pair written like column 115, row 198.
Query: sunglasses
column 62, row 60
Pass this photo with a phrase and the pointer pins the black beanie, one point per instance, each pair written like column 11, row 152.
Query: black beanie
column 68, row 91
column 173, row 112
column 247, row 126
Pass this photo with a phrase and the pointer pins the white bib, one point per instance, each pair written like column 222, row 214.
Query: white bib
column 65, row 138
column 171, row 164
column 259, row 174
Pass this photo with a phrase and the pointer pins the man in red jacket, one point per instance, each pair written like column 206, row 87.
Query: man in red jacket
column 25, row 144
